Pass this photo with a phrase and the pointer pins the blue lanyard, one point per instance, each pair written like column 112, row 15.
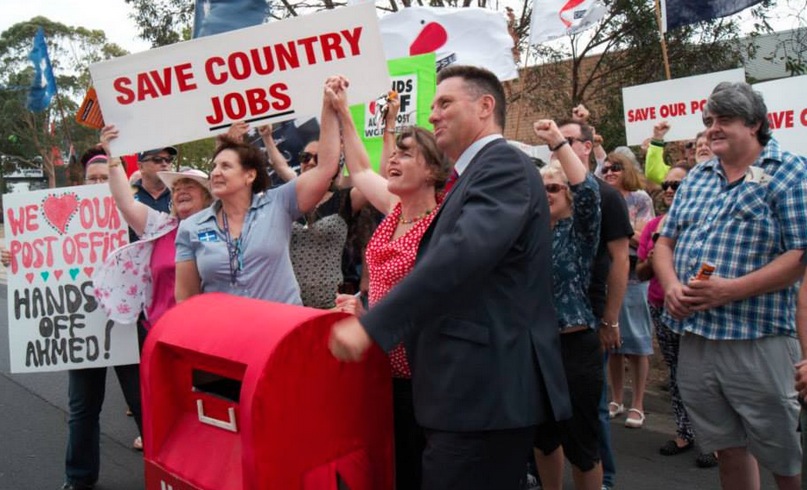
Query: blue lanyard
column 234, row 251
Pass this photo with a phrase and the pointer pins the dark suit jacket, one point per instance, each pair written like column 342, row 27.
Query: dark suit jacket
column 476, row 311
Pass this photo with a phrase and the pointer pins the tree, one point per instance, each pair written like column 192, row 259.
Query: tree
column 72, row 50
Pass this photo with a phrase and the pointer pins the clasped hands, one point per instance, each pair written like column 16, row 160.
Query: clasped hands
column 698, row 295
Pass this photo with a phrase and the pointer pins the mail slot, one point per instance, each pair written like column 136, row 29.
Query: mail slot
column 244, row 394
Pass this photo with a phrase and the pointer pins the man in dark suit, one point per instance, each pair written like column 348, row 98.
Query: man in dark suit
column 476, row 312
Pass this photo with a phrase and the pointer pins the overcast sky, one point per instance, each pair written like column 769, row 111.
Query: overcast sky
column 112, row 16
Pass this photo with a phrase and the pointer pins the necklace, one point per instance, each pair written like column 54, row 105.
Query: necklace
column 414, row 219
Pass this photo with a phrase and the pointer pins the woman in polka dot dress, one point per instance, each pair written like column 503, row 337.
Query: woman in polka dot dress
column 409, row 195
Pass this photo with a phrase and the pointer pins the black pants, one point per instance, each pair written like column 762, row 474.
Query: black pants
column 485, row 460
column 409, row 438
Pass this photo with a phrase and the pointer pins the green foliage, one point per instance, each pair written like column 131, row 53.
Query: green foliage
column 71, row 50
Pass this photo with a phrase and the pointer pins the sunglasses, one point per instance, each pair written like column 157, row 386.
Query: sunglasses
column 554, row 188
column 612, row 168
column 305, row 156
column 670, row 185
column 159, row 159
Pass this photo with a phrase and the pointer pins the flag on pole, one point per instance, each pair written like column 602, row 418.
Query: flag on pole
column 552, row 19
column 463, row 36
column 217, row 16
column 43, row 86
column 677, row 13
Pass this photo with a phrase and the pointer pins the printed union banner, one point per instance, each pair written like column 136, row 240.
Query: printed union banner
column 264, row 74
column 57, row 237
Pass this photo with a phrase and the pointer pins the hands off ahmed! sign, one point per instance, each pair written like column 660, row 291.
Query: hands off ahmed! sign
column 263, row 74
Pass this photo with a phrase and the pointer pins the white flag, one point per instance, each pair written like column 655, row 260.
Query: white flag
column 552, row 19
column 465, row 36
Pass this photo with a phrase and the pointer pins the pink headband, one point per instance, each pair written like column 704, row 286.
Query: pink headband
column 98, row 159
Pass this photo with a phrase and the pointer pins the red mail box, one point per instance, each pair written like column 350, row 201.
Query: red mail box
column 244, row 394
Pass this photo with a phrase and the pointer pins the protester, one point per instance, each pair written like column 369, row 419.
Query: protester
column 801, row 366
column 321, row 240
column 655, row 168
column 86, row 389
column 742, row 213
column 150, row 189
column 485, row 354
column 141, row 276
column 634, row 318
column 609, row 276
column 240, row 244
column 668, row 340
column 408, row 196
column 574, row 207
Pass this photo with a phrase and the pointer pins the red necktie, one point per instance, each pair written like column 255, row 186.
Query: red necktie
column 452, row 179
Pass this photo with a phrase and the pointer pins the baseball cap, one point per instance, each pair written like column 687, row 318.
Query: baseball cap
column 145, row 154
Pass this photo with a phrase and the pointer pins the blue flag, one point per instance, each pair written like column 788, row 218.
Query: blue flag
column 43, row 87
column 217, row 16
column 684, row 12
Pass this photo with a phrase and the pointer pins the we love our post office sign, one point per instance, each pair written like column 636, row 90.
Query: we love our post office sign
column 57, row 239
column 263, row 74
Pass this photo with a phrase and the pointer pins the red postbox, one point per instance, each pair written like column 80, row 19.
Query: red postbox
column 244, row 394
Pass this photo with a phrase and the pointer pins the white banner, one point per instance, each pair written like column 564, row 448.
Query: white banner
column 787, row 111
column 263, row 74
column 57, row 237
column 552, row 19
column 680, row 102
column 463, row 36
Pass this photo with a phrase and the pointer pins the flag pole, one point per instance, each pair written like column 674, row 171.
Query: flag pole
column 521, row 93
column 663, row 40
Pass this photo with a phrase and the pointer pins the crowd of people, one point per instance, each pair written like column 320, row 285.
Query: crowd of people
column 507, row 294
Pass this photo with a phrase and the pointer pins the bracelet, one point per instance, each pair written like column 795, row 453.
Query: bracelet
column 656, row 142
column 605, row 323
column 390, row 130
column 559, row 145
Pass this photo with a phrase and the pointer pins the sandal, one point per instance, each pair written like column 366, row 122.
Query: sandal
column 671, row 448
column 634, row 423
column 615, row 409
column 137, row 445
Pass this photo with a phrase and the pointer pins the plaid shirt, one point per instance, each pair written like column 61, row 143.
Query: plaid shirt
column 740, row 228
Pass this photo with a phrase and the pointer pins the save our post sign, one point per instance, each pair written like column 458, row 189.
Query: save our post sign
column 680, row 102
column 263, row 74
column 57, row 238
column 786, row 101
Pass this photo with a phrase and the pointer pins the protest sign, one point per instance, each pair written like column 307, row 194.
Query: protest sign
column 787, row 111
column 678, row 101
column 263, row 74
column 57, row 237
column 415, row 81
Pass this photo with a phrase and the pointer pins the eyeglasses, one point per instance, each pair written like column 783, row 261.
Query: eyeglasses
column 554, row 188
column 158, row 159
column 305, row 156
column 96, row 180
column 571, row 140
column 670, row 184
column 612, row 168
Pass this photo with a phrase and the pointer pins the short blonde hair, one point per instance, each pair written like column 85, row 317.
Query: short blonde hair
column 553, row 169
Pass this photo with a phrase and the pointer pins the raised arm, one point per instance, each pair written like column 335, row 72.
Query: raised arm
column 548, row 132
column 389, row 138
column 134, row 213
column 276, row 159
column 654, row 167
column 372, row 185
column 313, row 184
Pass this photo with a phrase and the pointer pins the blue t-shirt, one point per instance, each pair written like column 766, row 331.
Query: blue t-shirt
column 266, row 272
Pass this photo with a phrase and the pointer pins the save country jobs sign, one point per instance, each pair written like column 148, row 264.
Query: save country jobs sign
column 680, row 102
column 263, row 74
column 57, row 238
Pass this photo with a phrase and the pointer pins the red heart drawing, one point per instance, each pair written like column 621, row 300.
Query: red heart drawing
column 431, row 38
column 88, row 271
column 372, row 107
column 58, row 274
column 60, row 210
column 30, row 277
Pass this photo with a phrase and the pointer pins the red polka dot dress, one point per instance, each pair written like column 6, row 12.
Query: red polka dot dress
column 389, row 261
